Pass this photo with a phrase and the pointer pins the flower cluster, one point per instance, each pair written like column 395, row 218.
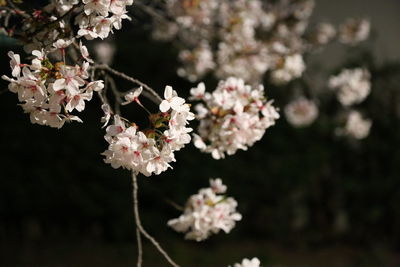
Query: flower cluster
column 232, row 117
column 196, row 62
column 292, row 67
column 94, row 19
column 322, row 34
column 51, row 91
column 255, row 262
column 100, row 17
column 356, row 126
column 353, row 85
column 207, row 212
column 151, row 150
column 246, row 39
column 301, row 112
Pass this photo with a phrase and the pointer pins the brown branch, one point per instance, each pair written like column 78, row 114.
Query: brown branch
column 140, row 250
column 139, row 224
column 154, row 96
column 150, row 11
column 54, row 21
column 173, row 204
column 117, row 94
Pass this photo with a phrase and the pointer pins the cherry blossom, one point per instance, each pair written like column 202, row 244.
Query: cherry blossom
column 356, row 126
column 133, row 96
column 49, row 92
column 354, row 31
column 171, row 101
column 301, row 112
column 206, row 213
column 232, row 117
column 150, row 151
column 352, row 85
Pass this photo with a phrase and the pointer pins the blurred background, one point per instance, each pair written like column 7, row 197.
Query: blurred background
column 308, row 198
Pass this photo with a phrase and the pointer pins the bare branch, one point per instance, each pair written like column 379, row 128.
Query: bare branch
column 173, row 204
column 117, row 103
column 150, row 11
column 140, row 250
column 151, row 91
column 139, row 224
column 54, row 21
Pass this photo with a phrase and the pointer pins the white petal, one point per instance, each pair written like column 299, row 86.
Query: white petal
column 164, row 106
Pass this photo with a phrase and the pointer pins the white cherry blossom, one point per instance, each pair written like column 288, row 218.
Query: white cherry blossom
column 232, row 117
column 206, row 213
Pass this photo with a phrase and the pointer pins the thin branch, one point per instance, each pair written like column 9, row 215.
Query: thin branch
column 54, row 21
column 173, row 204
column 140, row 250
column 117, row 103
column 139, row 224
column 150, row 11
column 128, row 78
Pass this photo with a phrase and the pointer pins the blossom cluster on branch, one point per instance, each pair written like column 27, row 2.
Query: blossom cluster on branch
column 150, row 151
column 234, row 116
column 207, row 212
column 247, row 39
column 50, row 91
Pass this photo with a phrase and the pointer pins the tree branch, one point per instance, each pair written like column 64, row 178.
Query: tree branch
column 155, row 97
column 140, row 250
column 54, row 21
column 140, row 227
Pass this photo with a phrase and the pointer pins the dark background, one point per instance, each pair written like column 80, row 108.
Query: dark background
column 308, row 198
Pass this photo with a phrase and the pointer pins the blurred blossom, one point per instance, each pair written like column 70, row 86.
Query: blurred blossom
column 324, row 33
column 164, row 31
column 196, row 62
column 292, row 67
column 301, row 112
column 105, row 52
column 356, row 126
column 242, row 38
column 250, row 64
column 354, row 31
column 254, row 262
column 352, row 85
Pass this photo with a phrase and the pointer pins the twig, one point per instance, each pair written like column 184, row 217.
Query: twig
column 150, row 11
column 173, row 204
column 128, row 78
column 117, row 103
column 140, row 250
column 54, row 21
column 139, row 224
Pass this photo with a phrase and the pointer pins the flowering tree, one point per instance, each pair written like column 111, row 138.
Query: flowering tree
column 240, row 43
